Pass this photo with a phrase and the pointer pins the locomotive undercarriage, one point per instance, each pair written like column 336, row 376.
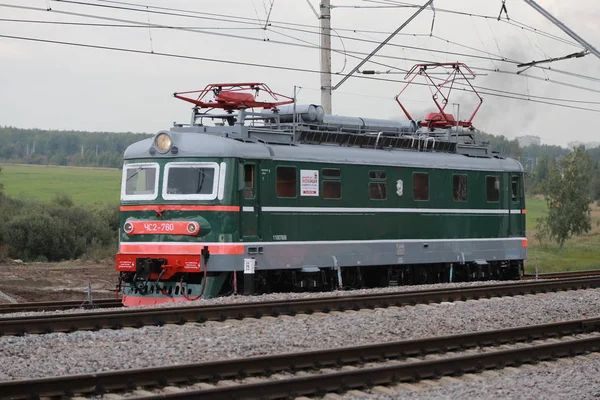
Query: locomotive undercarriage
column 266, row 281
column 150, row 278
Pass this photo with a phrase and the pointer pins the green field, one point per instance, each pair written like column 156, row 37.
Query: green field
column 578, row 253
column 83, row 185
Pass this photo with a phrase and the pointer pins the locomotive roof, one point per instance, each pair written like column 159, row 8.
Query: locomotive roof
column 191, row 145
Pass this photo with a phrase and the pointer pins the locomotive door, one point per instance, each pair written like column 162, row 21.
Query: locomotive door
column 249, row 200
column 506, row 185
column 514, row 200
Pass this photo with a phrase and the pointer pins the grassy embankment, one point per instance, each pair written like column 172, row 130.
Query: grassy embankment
column 98, row 185
column 578, row 253
column 42, row 183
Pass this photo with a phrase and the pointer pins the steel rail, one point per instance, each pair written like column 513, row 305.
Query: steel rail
column 58, row 305
column 563, row 275
column 389, row 374
column 181, row 315
column 116, row 380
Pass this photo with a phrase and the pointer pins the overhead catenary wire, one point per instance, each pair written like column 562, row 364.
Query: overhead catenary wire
column 123, row 25
column 185, row 13
column 191, row 30
column 315, row 46
column 498, row 58
column 508, row 72
column 197, row 29
column 488, row 17
column 512, row 61
column 345, row 52
column 268, row 66
column 283, row 27
column 271, row 26
column 192, row 27
column 239, row 19
column 306, row 44
column 143, row 24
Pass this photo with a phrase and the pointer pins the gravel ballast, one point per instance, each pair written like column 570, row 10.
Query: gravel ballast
column 576, row 378
column 34, row 356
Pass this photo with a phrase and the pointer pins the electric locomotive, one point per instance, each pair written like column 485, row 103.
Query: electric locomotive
column 288, row 198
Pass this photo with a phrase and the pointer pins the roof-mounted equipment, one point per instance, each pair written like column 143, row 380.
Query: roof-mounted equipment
column 441, row 119
column 235, row 96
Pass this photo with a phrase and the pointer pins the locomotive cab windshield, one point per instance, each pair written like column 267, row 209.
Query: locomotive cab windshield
column 140, row 181
column 190, row 181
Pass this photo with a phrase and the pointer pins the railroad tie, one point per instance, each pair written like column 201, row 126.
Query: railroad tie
column 356, row 393
column 448, row 380
column 410, row 387
column 383, row 390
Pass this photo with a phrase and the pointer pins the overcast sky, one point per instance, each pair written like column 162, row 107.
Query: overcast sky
column 55, row 86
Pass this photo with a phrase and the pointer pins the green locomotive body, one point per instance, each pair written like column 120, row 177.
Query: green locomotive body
column 318, row 208
column 271, row 202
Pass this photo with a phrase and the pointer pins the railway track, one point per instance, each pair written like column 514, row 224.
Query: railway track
column 57, row 305
column 187, row 374
column 106, row 303
column 180, row 315
column 563, row 275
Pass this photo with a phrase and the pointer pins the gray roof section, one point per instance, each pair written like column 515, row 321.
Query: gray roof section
column 207, row 145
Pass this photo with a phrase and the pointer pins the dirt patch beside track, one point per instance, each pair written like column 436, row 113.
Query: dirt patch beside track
column 67, row 280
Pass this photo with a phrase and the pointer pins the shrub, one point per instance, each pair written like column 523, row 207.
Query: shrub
column 58, row 230
column 38, row 235
column 63, row 200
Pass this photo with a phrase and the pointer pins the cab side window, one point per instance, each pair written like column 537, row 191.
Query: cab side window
column 492, row 188
column 248, row 181
column 286, row 182
column 515, row 188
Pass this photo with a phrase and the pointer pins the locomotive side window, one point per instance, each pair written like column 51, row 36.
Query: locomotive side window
column 515, row 188
column 492, row 187
column 286, row 182
column 420, row 186
column 140, row 181
column 378, row 190
column 248, row 181
column 331, row 186
column 331, row 173
column 459, row 187
column 190, row 181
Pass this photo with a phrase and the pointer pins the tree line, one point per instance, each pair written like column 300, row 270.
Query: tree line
column 105, row 149
column 75, row 148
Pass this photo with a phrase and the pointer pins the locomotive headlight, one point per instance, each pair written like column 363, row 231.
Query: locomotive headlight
column 192, row 227
column 163, row 142
column 128, row 227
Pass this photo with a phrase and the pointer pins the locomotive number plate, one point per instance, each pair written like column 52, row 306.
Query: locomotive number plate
column 163, row 227
column 190, row 228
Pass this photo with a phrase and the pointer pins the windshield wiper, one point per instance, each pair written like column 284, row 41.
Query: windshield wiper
column 137, row 171
column 200, row 181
